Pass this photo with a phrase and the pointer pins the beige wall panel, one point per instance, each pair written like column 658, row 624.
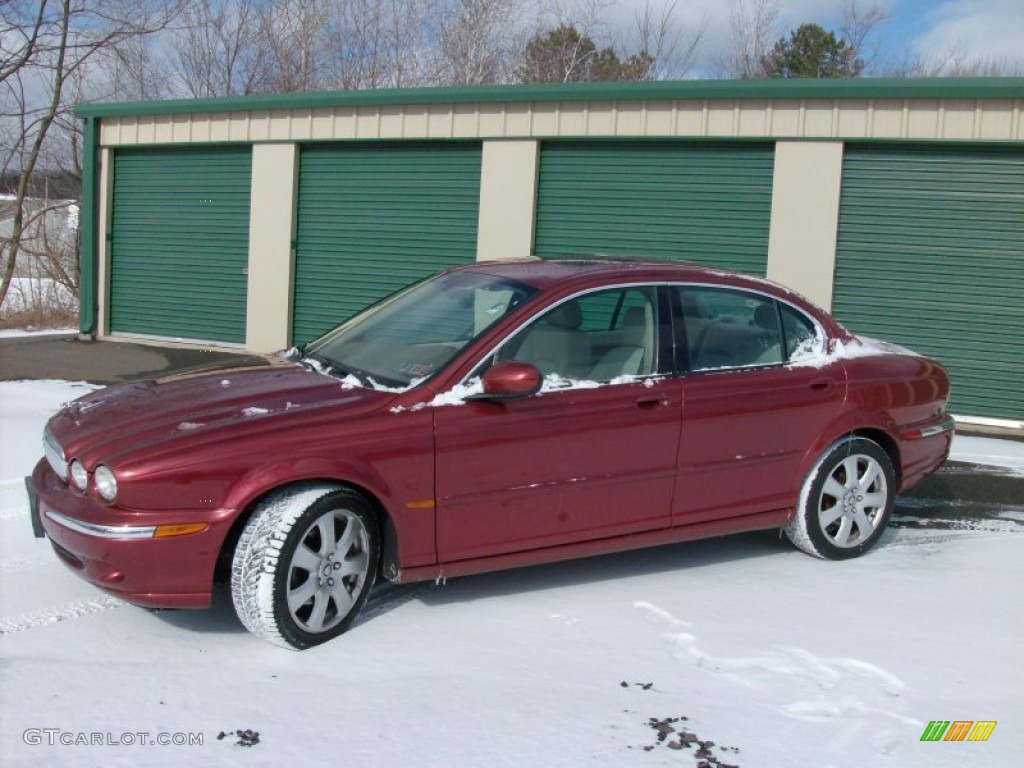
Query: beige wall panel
column 271, row 229
column 690, row 119
column 391, row 124
column 104, row 214
column 630, row 119
column 416, row 122
column 854, row 119
column 321, row 124
column 465, row 120
column 508, row 188
column 545, row 119
column 818, row 119
column 753, row 118
column 344, row 124
column 181, row 128
column 163, row 129
column 279, row 125
column 518, row 120
column 238, row 127
column 259, row 125
column 301, row 127
column 958, row 119
column 785, row 119
column 996, row 120
column 887, row 119
column 923, row 120
column 721, row 119
column 491, row 120
column 805, row 217
column 367, row 122
column 441, row 122
column 572, row 119
column 660, row 119
column 601, row 119
column 202, row 129
column 220, row 129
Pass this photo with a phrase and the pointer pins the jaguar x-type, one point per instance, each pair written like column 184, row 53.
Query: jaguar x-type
column 491, row 416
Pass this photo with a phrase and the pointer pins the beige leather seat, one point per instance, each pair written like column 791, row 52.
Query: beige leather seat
column 634, row 356
column 556, row 345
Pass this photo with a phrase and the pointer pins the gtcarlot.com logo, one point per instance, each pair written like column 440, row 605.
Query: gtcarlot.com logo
column 54, row 736
column 958, row 730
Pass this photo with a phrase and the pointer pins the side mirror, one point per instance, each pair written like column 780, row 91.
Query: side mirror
column 508, row 380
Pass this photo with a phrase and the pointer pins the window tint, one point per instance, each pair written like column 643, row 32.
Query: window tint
column 725, row 328
column 597, row 337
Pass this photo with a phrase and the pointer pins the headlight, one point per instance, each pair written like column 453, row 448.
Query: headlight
column 78, row 475
column 106, row 483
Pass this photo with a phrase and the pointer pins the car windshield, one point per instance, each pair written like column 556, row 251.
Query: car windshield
column 413, row 334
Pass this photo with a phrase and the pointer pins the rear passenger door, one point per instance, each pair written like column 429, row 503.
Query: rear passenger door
column 747, row 417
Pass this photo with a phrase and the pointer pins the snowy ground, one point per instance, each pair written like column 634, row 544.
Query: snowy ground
column 781, row 660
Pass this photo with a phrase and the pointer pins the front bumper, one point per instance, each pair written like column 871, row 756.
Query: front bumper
column 115, row 550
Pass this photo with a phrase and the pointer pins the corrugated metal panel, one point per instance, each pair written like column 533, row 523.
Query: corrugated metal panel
column 705, row 202
column 931, row 255
column 373, row 218
column 180, row 242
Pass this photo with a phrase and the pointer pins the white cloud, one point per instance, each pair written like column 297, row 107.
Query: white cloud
column 992, row 29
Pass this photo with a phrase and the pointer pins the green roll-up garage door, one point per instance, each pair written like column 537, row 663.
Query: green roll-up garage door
column 180, row 242
column 707, row 202
column 931, row 255
column 373, row 218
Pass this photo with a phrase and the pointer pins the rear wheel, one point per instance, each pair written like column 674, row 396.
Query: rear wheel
column 845, row 501
column 304, row 564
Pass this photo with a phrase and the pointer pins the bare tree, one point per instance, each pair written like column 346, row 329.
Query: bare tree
column 858, row 26
column 671, row 47
column 952, row 62
column 381, row 43
column 754, row 28
column 219, row 52
column 38, row 68
column 294, row 34
column 478, row 41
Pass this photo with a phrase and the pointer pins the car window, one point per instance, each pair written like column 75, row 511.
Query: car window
column 801, row 335
column 726, row 328
column 596, row 337
column 414, row 333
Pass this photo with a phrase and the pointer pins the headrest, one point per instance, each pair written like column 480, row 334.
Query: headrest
column 766, row 317
column 567, row 315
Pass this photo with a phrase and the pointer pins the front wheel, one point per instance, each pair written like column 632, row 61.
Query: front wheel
column 845, row 501
column 304, row 564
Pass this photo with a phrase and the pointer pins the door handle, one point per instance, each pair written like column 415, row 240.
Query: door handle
column 821, row 384
column 646, row 403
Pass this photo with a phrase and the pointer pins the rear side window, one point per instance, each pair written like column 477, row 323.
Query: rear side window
column 727, row 328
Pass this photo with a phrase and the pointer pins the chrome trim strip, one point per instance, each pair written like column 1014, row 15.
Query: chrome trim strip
column 55, row 455
column 938, row 429
column 102, row 531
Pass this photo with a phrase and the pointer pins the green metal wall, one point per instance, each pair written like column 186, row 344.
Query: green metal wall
column 373, row 218
column 930, row 254
column 180, row 242
column 707, row 202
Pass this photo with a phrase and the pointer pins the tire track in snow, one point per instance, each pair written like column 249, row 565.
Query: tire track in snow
column 57, row 614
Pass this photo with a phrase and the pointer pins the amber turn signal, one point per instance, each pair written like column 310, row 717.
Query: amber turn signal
column 180, row 529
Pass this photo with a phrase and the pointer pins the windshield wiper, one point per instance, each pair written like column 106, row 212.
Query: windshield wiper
column 328, row 367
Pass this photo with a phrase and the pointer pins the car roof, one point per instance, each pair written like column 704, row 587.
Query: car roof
column 545, row 273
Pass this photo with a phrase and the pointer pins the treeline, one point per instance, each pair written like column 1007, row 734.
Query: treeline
column 51, row 185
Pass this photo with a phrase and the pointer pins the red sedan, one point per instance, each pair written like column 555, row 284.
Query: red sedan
column 492, row 416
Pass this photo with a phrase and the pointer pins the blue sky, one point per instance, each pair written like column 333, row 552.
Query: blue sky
column 932, row 29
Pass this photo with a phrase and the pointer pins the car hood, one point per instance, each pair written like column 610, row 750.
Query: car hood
column 213, row 403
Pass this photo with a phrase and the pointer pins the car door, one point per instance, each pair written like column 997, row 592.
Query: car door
column 747, row 417
column 593, row 455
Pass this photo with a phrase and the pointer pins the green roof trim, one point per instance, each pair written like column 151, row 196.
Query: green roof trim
column 860, row 88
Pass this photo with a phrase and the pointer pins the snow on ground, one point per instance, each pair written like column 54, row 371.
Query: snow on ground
column 782, row 660
column 14, row 333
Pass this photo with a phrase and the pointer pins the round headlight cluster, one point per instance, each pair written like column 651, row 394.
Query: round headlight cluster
column 106, row 483
column 79, row 477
